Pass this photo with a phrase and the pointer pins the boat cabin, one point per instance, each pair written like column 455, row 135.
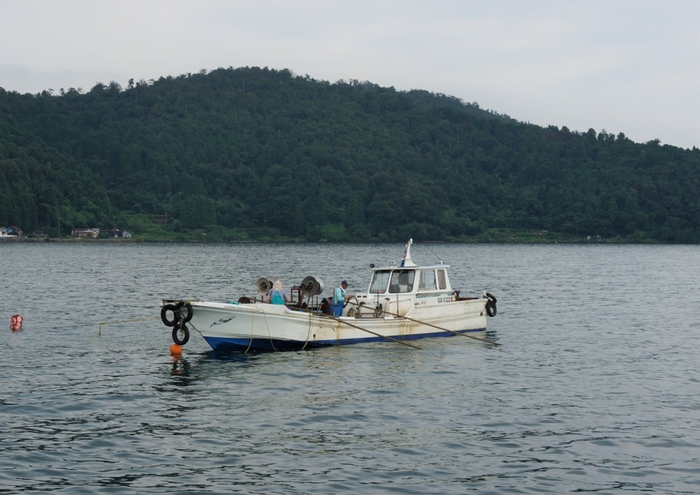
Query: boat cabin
column 399, row 288
column 409, row 280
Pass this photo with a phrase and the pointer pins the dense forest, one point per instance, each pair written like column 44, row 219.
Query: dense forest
column 251, row 153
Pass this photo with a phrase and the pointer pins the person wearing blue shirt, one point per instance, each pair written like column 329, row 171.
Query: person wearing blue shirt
column 339, row 298
column 278, row 294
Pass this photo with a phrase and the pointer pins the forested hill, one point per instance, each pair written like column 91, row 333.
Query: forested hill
column 258, row 154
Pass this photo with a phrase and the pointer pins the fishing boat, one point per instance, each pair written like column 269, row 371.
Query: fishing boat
column 403, row 302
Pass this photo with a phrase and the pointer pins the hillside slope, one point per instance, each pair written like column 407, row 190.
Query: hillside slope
column 258, row 153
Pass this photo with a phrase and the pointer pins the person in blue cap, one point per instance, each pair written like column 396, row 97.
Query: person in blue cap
column 339, row 298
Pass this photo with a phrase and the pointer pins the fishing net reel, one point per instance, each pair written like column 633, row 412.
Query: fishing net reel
column 264, row 284
column 312, row 286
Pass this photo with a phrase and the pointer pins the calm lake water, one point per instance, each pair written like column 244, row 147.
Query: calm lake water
column 596, row 387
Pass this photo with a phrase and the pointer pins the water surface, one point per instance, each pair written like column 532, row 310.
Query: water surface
column 595, row 388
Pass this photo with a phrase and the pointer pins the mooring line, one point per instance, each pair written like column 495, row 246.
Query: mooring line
column 373, row 333
column 441, row 328
column 100, row 323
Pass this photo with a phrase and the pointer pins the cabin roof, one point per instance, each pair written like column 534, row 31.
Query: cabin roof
column 414, row 267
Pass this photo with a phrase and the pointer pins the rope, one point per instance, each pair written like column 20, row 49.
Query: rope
column 183, row 301
column 268, row 330
column 252, row 325
column 99, row 332
column 308, row 334
column 444, row 329
column 370, row 331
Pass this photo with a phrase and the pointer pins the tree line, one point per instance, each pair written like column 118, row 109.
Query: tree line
column 253, row 153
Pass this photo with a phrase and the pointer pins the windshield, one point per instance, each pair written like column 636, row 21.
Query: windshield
column 402, row 281
column 379, row 282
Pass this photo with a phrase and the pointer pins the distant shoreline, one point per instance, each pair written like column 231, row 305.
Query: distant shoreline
column 47, row 239
column 35, row 240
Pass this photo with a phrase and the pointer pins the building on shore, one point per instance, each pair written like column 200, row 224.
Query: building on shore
column 13, row 232
column 86, row 233
column 120, row 233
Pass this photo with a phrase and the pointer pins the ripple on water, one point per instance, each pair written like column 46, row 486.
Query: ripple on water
column 594, row 389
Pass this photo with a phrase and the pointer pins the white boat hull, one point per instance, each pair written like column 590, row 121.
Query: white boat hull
column 227, row 326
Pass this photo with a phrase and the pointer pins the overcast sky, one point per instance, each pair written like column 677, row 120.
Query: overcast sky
column 623, row 66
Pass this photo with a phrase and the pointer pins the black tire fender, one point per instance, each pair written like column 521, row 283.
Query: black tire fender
column 164, row 315
column 188, row 307
column 491, row 308
column 182, row 328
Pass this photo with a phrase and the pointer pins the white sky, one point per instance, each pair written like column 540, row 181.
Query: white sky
column 629, row 66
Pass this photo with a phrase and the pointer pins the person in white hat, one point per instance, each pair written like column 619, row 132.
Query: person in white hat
column 278, row 294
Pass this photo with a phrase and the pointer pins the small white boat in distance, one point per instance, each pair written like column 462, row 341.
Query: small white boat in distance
column 403, row 302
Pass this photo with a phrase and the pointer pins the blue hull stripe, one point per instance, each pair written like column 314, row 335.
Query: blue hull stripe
column 230, row 344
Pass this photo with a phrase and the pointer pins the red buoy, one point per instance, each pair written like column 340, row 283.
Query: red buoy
column 16, row 323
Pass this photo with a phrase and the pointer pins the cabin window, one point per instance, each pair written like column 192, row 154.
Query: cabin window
column 379, row 282
column 427, row 280
column 442, row 279
column 402, row 281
